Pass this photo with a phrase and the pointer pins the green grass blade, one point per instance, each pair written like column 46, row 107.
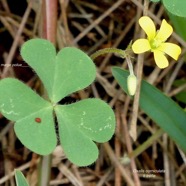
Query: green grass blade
column 160, row 108
column 20, row 179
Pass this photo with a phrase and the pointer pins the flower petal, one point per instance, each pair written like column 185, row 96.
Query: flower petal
column 148, row 26
column 171, row 49
column 160, row 59
column 164, row 32
column 140, row 46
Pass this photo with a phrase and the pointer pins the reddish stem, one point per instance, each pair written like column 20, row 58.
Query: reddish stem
column 49, row 25
column 50, row 20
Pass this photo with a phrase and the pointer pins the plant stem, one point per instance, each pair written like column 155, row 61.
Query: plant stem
column 49, row 22
column 146, row 144
column 140, row 61
column 44, row 170
column 120, row 52
column 130, row 65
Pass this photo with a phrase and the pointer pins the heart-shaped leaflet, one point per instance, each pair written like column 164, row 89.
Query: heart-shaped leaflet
column 80, row 124
column 21, row 104
column 62, row 74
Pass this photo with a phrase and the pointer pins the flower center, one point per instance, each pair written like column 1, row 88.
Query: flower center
column 155, row 43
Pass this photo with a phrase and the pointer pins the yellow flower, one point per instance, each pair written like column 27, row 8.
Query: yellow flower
column 155, row 42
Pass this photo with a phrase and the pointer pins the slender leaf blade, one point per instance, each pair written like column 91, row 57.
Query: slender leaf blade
column 20, row 179
column 160, row 108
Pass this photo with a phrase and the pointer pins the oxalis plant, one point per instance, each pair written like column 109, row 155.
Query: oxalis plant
column 88, row 120
column 80, row 124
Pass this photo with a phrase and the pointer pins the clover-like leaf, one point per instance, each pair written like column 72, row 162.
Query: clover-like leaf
column 62, row 74
column 33, row 116
column 80, row 124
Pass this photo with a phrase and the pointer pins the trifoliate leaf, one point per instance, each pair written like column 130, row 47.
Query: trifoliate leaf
column 79, row 123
